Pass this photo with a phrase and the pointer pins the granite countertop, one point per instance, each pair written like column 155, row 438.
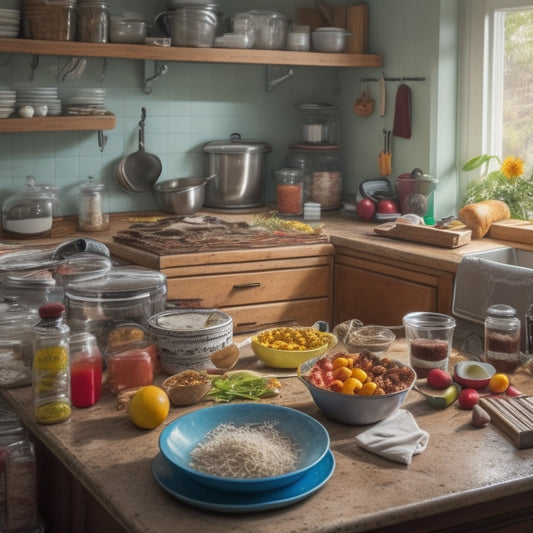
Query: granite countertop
column 462, row 466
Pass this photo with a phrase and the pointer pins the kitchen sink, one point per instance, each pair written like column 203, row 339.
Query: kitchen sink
column 501, row 276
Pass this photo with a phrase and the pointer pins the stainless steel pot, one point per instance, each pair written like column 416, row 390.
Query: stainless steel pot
column 241, row 169
column 183, row 196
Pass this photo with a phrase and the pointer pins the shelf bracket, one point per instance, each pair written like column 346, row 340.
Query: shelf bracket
column 102, row 140
column 153, row 70
column 34, row 65
column 276, row 74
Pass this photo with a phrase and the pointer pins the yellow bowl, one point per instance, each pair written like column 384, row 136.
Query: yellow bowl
column 278, row 358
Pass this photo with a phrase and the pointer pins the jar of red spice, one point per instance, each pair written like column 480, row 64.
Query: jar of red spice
column 289, row 191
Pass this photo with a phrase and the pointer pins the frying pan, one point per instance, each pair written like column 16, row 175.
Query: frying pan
column 139, row 171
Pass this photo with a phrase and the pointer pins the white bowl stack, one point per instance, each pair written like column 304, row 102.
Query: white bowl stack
column 8, row 99
column 10, row 23
column 87, row 102
column 39, row 96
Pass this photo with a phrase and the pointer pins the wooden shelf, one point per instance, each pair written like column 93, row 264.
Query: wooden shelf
column 200, row 55
column 60, row 123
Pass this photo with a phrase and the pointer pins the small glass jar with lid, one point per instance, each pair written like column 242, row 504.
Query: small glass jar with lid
column 502, row 338
column 319, row 123
column 94, row 210
column 289, row 191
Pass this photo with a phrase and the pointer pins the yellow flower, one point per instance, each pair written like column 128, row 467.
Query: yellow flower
column 512, row 167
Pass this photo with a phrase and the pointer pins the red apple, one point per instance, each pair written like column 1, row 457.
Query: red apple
column 468, row 398
column 365, row 209
column 388, row 206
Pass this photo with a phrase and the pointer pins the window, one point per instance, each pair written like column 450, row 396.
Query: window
column 496, row 80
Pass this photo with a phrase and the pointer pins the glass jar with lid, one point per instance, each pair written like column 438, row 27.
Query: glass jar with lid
column 502, row 338
column 28, row 213
column 321, row 167
column 319, row 123
column 92, row 21
column 94, row 210
column 289, row 191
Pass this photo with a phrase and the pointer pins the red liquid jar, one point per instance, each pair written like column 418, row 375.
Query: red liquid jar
column 86, row 365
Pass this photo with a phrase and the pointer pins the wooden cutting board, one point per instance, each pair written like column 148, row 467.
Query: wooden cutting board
column 512, row 416
column 425, row 234
column 357, row 23
column 512, row 230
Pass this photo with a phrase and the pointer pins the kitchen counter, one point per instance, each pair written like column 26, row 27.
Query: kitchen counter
column 466, row 474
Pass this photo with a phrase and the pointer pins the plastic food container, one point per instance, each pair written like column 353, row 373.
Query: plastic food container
column 82, row 266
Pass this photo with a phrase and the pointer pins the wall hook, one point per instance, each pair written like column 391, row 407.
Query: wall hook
column 102, row 140
column 153, row 70
column 34, row 65
column 282, row 72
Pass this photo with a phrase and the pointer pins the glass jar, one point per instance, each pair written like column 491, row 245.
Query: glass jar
column 86, row 364
column 92, row 21
column 321, row 168
column 93, row 210
column 289, row 191
column 319, row 123
column 502, row 338
column 28, row 213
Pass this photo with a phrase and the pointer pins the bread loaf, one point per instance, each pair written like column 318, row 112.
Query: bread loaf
column 479, row 216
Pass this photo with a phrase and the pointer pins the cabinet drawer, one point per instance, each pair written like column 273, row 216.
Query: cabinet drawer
column 246, row 288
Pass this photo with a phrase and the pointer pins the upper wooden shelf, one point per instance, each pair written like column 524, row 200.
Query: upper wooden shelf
column 59, row 123
column 199, row 55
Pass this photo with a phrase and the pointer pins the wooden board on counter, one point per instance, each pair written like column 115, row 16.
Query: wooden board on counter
column 425, row 234
column 512, row 230
column 512, row 416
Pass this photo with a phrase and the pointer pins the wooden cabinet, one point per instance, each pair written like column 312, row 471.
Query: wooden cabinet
column 378, row 290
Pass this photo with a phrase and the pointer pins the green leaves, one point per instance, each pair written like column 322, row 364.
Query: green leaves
column 242, row 385
column 478, row 161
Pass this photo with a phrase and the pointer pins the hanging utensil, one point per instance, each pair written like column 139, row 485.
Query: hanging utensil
column 364, row 105
column 382, row 95
column 385, row 156
column 139, row 171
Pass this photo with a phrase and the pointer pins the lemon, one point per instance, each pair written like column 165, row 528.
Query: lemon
column 499, row 383
column 149, row 407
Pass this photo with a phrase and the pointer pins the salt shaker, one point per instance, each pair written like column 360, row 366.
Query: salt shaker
column 94, row 211
column 502, row 338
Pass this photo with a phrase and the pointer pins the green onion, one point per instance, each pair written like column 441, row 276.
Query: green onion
column 242, row 386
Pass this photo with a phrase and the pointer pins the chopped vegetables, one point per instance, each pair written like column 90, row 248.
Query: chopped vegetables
column 242, row 385
column 287, row 338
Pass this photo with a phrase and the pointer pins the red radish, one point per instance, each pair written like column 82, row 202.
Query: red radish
column 512, row 391
column 468, row 398
column 438, row 378
column 387, row 206
column 365, row 209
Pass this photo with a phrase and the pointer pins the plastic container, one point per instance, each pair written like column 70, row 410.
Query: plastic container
column 86, row 364
column 83, row 266
column 51, row 366
column 92, row 21
column 94, row 206
column 29, row 290
column 289, row 191
column 502, row 338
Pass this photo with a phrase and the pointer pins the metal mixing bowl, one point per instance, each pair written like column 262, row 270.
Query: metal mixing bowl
column 183, row 196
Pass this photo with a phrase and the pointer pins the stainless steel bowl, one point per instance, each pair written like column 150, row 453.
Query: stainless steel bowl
column 182, row 196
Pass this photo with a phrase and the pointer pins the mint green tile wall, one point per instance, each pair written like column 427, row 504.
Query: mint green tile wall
column 197, row 103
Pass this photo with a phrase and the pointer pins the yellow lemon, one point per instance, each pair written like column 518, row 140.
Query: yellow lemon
column 149, row 407
column 499, row 383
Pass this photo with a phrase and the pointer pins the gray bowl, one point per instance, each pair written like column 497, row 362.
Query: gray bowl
column 352, row 409
column 182, row 196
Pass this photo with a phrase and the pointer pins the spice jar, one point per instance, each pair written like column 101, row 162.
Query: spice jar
column 92, row 22
column 289, row 191
column 94, row 211
column 86, row 364
column 502, row 338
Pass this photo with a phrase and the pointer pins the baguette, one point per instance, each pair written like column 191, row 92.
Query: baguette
column 479, row 216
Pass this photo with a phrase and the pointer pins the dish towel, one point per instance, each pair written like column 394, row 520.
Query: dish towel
column 402, row 113
column 397, row 438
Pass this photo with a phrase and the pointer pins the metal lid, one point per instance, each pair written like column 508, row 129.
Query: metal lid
column 236, row 145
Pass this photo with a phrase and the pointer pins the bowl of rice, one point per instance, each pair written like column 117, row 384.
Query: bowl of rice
column 289, row 347
column 244, row 447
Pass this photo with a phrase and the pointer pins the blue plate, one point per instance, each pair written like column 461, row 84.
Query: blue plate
column 182, row 435
column 198, row 495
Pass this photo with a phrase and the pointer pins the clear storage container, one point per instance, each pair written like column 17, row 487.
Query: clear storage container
column 94, row 206
column 92, row 21
column 502, row 338
column 86, row 365
column 289, row 191
column 319, row 123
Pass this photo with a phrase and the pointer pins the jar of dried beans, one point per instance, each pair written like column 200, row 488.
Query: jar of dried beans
column 93, row 211
column 502, row 338
column 289, row 191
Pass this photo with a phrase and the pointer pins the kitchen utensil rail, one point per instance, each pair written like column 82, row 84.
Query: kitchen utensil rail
column 363, row 80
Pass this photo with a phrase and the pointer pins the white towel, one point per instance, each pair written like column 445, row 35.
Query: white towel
column 397, row 438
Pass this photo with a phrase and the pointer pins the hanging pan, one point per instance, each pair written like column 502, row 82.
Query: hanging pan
column 139, row 171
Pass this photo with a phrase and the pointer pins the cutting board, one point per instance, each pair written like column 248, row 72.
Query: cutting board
column 512, row 416
column 357, row 23
column 512, row 230
column 425, row 234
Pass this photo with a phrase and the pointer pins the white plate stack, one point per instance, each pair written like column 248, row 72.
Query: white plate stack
column 38, row 96
column 87, row 102
column 10, row 23
column 7, row 101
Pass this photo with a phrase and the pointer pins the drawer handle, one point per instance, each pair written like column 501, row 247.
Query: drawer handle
column 247, row 285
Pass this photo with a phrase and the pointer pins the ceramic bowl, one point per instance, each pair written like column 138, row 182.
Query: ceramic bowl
column 473, row 374
column 332, row 40
column 187, row 387
column 358, row 338
column 353, row 409
column 180, row 437
column 185, row 338
column 278, row 358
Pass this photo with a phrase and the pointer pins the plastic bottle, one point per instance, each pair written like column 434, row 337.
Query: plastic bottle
column 85, row 370
column 502, row 338
column 51, row 366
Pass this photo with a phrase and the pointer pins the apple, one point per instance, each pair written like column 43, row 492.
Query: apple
column 387, row 207
column 365, row 209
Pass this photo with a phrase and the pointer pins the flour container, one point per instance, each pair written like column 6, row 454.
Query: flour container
column 240, row 166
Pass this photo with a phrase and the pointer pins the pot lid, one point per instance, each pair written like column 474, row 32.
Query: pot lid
column 236, row 145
